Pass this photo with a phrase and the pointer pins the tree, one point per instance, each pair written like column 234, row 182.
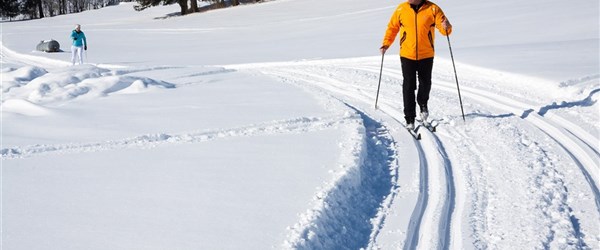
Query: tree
column 28, row 8
column 144, row 4
column 194, row 6
column 10, row 8
column 40, row 8
column 184, row 6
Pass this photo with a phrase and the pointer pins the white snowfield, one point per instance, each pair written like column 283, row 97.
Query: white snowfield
column 254, row 127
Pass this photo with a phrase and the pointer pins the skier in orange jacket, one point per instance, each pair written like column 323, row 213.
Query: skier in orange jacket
column 415, row 21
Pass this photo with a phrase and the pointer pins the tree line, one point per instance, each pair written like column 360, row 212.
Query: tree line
column 33, row 9
column 193, row 5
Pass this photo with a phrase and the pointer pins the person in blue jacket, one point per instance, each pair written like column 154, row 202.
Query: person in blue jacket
column 79, row 44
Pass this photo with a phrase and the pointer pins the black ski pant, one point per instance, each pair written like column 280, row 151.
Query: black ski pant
column 412, row 69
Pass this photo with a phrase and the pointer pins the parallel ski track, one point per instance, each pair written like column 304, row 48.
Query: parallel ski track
column 449, row 201
column 576, row 142
column 425, row 156
column 414, row 225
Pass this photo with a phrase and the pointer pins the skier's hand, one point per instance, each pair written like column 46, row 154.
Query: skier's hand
column 85, row 47
column 383, row 49
column 446, row 24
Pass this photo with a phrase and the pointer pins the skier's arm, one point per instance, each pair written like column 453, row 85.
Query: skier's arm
column 392, row 30
column 442, row 23
column 84, row 41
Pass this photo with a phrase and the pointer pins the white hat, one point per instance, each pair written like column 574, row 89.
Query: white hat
column 77, row 26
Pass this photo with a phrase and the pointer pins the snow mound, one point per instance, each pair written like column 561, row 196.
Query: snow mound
column 24, row 107
column 85, row 81
column 17, row 77
column 136, row 86
column 103, row 86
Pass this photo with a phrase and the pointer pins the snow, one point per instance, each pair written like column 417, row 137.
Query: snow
column 254, row 127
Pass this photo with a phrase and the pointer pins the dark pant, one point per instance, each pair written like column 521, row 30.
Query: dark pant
column 409, row 85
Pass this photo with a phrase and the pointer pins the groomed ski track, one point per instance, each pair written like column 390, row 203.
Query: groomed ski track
column 439, row 208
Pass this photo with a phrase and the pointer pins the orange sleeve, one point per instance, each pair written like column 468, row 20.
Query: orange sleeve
column 392, row 29
column 439, row 18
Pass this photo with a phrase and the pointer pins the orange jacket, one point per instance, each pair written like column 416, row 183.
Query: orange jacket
column 416, row 29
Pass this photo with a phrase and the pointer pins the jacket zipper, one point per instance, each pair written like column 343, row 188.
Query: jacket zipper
column 416, row 36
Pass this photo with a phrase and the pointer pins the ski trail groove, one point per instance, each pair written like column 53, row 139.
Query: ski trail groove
column 448, row 204
column 416, row 218
column 432, row 156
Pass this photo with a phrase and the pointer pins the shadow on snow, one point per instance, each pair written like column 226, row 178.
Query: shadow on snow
column 345, row 221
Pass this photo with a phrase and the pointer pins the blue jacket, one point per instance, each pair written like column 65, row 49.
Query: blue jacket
column 78, row 38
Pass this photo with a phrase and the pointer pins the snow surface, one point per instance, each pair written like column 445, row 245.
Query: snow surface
column 254, row 127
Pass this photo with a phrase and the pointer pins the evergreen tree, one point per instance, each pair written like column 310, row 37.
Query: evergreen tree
column 10, row 8
column 28, row 8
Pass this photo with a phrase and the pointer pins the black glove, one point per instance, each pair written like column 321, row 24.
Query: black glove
column 74, row 38
column 85, row 47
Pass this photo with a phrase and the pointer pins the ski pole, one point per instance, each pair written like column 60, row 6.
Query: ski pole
column 456, row 77
column 379, row 85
